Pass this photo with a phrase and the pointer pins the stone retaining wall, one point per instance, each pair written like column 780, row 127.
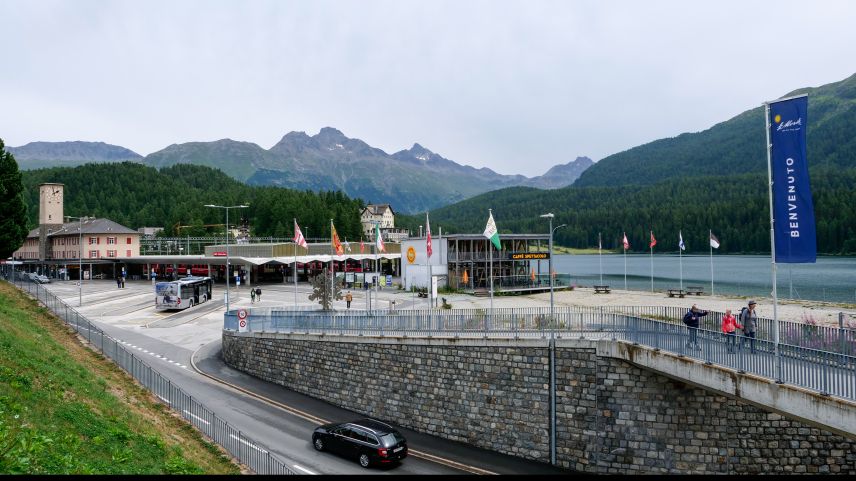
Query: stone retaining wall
column 612, row 416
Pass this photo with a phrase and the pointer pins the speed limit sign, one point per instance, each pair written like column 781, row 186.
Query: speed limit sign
column 242, row 313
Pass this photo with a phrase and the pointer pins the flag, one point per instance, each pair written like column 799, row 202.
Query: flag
column 626, row 243
column 653, row 241
column 337, row 245
column 298, row 236
column 599, row 245
column 491, row 233
column 681, row 241
column 347, row 245
column 714, row 242
column 795, row 233
column 428, row 240
column 379, row 239
column 362, row 246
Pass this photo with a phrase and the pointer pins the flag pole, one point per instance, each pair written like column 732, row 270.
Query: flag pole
column 651, row 246
column 681, row 259
column 332, row 266
column 710, row 242
column 490, row 264
column 295, row 262
column 772, row 243
column 430, row 273
column 625, row 262
column 600, row 257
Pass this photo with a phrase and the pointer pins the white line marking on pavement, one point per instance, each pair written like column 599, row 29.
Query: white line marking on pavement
column 197, row 417
column 304, row 469
column 247, row 443
column 165, row 399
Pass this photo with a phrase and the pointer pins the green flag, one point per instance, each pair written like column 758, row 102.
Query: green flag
column 491, row 233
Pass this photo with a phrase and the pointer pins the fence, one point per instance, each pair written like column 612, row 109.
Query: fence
column 244, row 449
column 827, row 371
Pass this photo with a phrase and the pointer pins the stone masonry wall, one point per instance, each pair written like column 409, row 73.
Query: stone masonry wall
column 494, row 397
column 612, row 416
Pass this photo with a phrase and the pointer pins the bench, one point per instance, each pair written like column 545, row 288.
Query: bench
column 601, row 289
column 677, row 292
column 697, row 290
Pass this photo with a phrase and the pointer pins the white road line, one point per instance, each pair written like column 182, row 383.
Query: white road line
column 304, row 469
column 164, row 399
column 247, row 443
column 197, row 417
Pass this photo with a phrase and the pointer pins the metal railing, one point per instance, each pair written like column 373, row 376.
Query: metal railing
column 247, row 451
column 829, row 372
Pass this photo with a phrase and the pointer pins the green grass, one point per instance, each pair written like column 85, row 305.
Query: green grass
column 67, row 410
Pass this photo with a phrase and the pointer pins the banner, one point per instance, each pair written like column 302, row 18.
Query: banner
column 793, row 209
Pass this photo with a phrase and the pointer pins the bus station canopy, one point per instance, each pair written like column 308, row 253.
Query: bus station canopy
column 221, row 260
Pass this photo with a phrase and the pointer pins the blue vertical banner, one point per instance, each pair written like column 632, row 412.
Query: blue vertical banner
column 793, row 209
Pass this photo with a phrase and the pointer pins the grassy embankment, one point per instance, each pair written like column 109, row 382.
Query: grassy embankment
column 66, row 409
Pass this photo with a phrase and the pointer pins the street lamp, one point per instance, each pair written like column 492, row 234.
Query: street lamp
column 79, row 257
column 552, row 348
column 227, row 243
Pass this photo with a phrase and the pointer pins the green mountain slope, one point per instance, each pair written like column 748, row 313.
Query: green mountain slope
column 737, row 145
column 36, row 155
column 136, row 195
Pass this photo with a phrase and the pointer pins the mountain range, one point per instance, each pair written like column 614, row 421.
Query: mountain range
column 411, row 180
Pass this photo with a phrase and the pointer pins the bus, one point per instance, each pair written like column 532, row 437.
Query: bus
column 183, row 293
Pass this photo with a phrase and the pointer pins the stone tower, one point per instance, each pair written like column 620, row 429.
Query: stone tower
column 50, row 215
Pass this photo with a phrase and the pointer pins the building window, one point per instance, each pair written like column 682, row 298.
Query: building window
column 128, row 241
column 128, row 253
column 111, row 240
column 93, row 254
column 111, row 253
column 93, row 240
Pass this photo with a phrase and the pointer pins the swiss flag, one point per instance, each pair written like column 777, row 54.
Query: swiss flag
column 626, row 243
column 653, row 240
column 428, row 240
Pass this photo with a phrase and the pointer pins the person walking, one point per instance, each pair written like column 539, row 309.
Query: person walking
column 252, row 295
column 259, row 294
column 349, row 298
column 729, row 328
column 119, row 282
column 691, row 319
column 750, row 324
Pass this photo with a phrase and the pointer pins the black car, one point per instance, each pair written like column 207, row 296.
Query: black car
column 367, row 440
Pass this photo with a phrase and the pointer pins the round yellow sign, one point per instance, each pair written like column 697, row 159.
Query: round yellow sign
column 411, row 254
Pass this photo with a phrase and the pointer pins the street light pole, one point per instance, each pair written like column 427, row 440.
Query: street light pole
column 79, row 257
column 552, row 346
column 242, row 206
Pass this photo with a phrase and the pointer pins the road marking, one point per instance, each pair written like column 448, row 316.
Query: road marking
column 303, row 469
column 197, row 417
column 165, row 399
column 316, row 419
column 247, row 444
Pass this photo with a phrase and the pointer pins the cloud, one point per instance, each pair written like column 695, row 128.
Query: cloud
column 515, row 86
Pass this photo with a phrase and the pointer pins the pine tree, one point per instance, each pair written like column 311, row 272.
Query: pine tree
column 13, row 211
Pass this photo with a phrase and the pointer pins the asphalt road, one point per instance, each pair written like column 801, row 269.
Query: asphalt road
column 276, row 418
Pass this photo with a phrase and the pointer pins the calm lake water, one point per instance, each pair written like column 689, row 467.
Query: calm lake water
column 830, row 279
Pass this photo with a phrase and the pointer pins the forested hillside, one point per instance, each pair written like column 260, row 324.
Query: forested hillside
column 737, row 145
column 735, row 207
column 135, row 195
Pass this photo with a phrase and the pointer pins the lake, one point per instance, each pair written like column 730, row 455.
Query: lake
column 830, row 279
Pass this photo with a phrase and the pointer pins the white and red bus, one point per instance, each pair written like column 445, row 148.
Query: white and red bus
column 183, row 293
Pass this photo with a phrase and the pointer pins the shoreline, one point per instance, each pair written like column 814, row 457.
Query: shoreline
column 825, row 313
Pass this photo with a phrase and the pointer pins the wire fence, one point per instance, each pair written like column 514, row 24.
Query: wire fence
column 828, row 371
column 247, row 451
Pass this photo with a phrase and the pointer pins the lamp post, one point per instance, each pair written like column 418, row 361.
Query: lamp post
column 552, row 347
column 79, row 257
column 242, row 206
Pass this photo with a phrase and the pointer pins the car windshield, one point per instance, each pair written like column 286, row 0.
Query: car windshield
column 391, row 439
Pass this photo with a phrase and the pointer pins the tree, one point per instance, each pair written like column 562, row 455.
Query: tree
column 13, row 211
column 321, row 290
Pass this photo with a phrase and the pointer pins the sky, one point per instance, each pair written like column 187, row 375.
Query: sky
column 516, row 86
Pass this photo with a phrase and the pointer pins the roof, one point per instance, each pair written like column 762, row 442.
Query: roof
column 375, row 426
column 378, row 209
column 90, row 226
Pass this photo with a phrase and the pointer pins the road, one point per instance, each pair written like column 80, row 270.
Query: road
column 276, row 418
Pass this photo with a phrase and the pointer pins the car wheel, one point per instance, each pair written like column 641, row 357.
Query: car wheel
column 203, row 298
column 319, row 444
column 364, row 460
column 190, row 304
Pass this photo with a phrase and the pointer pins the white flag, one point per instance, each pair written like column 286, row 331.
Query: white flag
column 714, row 242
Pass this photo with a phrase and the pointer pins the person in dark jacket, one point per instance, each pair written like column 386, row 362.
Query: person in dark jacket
column 750, row 323
column 691, row 319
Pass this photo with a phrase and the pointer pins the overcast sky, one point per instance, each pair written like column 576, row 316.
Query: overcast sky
column 514, row 86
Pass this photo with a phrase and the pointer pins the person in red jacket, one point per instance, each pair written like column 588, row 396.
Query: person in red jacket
column 729, row 328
